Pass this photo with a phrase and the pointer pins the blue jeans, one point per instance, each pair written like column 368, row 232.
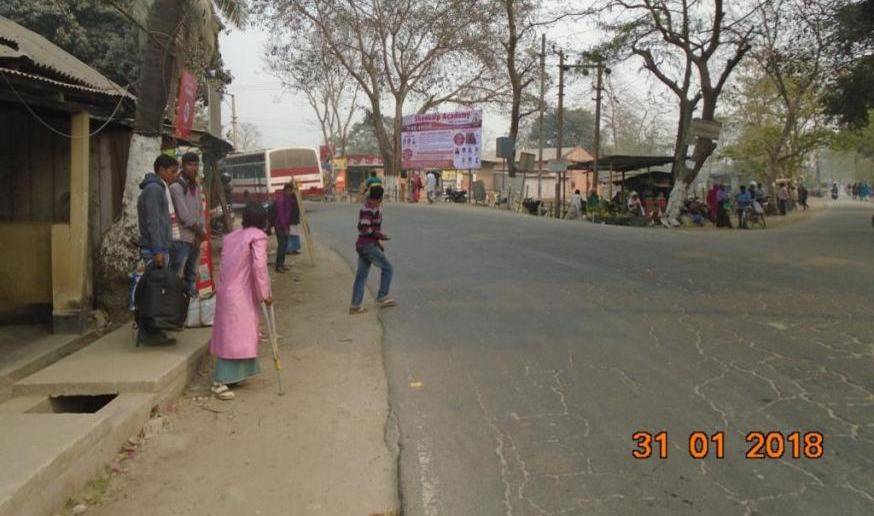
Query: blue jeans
column 367, row 256
column 293, row 244
column 184, row 258
column 281, row 247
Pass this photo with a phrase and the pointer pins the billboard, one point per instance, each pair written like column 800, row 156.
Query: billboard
column 442, row 140
column 185, row 105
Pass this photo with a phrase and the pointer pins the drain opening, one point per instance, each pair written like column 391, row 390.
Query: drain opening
column 75, row 404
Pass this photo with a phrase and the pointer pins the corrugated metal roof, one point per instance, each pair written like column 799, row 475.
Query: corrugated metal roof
column 25, row 46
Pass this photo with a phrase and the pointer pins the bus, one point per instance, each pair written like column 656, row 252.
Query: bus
column 256, row 176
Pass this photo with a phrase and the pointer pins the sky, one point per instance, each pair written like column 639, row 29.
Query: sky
column 285, row 118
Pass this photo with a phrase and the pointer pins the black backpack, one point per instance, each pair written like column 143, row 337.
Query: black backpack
column 161, row 301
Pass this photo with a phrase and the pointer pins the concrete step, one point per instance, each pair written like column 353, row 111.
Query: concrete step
column 27, row 349
column 113, row 364
column 47, row 453
column 48, row 456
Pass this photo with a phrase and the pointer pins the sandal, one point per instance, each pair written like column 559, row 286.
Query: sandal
column 356, row 310
column 222, row 392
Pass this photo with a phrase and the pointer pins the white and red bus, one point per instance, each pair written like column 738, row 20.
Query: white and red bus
column 256, row 176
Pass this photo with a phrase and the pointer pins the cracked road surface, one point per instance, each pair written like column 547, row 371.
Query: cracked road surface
column 526, row 352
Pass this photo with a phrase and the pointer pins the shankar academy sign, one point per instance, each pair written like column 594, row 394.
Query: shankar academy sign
column 442, row 140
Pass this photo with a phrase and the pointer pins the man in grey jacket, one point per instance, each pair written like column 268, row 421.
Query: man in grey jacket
column 188, row 203
column 156, row 228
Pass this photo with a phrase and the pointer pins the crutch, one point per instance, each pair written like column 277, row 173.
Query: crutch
column 270, row 317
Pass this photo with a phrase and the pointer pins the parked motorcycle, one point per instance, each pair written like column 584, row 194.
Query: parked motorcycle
column 453, row 195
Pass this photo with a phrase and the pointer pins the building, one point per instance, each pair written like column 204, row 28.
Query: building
column 539, row 181
column 61, row 156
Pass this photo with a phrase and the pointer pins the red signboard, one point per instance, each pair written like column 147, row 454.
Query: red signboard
column 185, row 105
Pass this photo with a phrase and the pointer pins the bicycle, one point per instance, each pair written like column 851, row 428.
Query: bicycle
column 753, row 218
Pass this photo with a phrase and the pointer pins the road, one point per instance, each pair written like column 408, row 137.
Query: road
column 526, row 352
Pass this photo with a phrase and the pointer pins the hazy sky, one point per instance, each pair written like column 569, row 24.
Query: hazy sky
column 285, row 119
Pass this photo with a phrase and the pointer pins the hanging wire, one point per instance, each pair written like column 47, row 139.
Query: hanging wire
column 52, row 129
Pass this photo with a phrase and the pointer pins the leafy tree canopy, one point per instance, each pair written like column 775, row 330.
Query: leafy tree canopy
column 578, row 129
column 851, row 95
column 91, row 30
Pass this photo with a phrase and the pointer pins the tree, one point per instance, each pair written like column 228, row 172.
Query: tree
column 515, row 23
column 181, row 33
column 248, row 135
column 91, row 30
column 403, row 50
column 692, row 48
column 306, row 66
column 850, row 96
column 777, row 104
column 634, row 125
column 578, row 129
column 769, row 139
column 362, row 135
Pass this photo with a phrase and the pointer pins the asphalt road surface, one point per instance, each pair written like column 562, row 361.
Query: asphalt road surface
column 527, row 352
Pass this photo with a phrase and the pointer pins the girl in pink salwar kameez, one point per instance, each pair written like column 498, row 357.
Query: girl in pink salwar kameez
column 243, row 285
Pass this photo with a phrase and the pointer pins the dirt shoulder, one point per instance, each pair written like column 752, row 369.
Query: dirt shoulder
column 320, row 449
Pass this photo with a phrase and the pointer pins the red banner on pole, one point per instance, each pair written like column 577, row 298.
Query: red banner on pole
column 185, row 105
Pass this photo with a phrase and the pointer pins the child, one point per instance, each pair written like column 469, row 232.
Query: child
column 243, row 285
column 370, row 252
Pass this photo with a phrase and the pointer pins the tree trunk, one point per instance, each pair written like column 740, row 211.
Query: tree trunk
column 118, row 251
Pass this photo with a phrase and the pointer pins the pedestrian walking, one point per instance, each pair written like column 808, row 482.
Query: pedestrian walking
column 280, row 220
column 189, row 207
column 593, row 203
column 430, row 186
column 712, row 203
column 294, row 229
column 783, row 198
column 723, row 206
column 802, row 197
column 744, row 201
column 417, row 186
column 635, row 206
column 371, row 252
column 244, row 284
column 575, row 212
column 155, row 216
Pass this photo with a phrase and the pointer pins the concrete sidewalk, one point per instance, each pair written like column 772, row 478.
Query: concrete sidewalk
column 326, row 447
column 66, row 422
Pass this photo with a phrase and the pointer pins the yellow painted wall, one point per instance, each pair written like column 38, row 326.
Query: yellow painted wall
column 25, row 265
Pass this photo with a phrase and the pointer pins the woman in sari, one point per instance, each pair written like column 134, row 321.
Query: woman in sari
column 243, row 285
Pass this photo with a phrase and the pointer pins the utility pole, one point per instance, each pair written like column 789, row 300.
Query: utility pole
column 542, row 101
column 558, row 136
column 234, row 132
column 598, row 97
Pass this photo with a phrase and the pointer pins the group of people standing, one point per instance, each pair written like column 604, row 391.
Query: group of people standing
column 172, row 225
column 721, row 202
column 429, row 184
column 860, row 191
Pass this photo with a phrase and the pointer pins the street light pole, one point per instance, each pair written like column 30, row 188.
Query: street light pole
column 597, row 143
column 559, row 133
column 542, row 95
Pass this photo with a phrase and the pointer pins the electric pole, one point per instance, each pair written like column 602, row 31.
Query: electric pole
column 542, row 96
column 559, row 183
column 597, row 145
column 234, row 132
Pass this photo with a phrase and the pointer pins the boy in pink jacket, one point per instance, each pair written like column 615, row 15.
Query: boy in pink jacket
column 243, row 285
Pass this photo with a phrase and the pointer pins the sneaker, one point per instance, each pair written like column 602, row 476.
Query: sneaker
column 386, row 302
column 160, row 339
column 356, row 310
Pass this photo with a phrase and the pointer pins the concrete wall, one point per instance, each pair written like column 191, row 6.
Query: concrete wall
column 26, row 274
